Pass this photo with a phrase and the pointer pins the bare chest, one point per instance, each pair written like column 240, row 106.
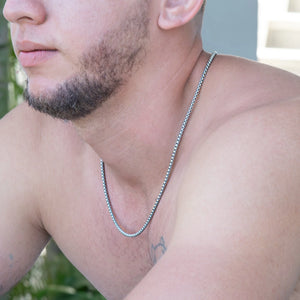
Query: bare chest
column 296, row 293
column 78, row 220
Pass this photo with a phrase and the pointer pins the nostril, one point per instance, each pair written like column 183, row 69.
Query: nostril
column 10, row 11
column 18, row 11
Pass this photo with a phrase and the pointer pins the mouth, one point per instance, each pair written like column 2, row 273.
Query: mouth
column 32, row 54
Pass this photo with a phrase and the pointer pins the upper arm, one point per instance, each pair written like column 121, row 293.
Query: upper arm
column 237, row 234
column 21, row 236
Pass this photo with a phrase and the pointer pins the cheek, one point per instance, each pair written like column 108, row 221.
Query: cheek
column 76, row 39
column 74, row 45
column 81, row 24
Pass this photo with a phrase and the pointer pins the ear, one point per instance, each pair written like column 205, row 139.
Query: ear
column 175, row 13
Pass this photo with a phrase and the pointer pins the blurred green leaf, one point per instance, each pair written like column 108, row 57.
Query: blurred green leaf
column 11, row 80
column 53, row 277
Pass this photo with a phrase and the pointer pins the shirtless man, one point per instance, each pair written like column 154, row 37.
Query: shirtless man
column 124, row 74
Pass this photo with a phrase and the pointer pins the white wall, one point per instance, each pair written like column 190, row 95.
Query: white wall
column 230, row 27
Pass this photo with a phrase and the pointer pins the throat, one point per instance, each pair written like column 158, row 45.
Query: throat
column 169, row 169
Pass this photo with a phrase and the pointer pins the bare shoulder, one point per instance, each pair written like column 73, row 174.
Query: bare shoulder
column 268, row 75
column 257, row 150
column 260, row 138
column 29, row 128
column 239, row 207
column 31, row 143
column 34, row 140
column 265, row 126
column 32, row 146
column 274, row 124
column 20, row 143
column 237, row 229
column 253, row 83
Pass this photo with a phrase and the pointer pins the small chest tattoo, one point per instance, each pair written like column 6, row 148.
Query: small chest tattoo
column 158, row 250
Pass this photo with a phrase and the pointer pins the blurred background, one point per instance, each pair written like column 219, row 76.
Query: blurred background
column 263, row 30
column 231, row 27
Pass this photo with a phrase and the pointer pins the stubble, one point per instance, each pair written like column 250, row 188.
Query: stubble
column 104, row 68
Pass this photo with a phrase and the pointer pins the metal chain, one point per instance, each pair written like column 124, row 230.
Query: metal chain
column 163, row 187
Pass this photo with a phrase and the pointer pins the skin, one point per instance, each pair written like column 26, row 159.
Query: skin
column 228, row 224
column 102, row 69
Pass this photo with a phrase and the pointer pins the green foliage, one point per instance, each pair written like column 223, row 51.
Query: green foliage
column 4, row 53
column 11, row 78
column 53, row 277
column 15, row 79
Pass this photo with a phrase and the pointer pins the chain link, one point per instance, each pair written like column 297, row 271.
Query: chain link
column 168, row 173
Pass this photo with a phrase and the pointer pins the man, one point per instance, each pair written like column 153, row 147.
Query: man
column 123, row 75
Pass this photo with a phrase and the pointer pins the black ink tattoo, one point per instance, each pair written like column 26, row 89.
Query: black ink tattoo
column 158, row 250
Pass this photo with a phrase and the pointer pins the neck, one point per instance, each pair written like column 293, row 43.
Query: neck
column 134, row 131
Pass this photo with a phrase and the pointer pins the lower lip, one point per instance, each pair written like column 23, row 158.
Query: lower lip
column 33, row 58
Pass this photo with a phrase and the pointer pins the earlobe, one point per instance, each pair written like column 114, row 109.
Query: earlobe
column 175, row 13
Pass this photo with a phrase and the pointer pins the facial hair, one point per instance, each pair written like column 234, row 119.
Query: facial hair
column 103, row 70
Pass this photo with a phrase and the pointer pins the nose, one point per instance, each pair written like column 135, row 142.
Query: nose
column 25, row 11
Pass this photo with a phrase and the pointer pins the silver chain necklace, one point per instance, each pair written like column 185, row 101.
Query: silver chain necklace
column 178, row 140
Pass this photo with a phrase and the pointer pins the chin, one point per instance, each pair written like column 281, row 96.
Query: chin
column 38, row 86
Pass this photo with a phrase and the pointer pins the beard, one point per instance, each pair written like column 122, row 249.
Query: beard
column 104, row 68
